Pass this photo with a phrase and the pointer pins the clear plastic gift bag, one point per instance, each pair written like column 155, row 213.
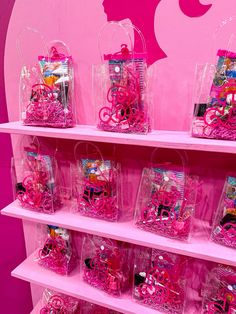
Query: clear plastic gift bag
column 219, row 291
column 34, row 179
column 159, row 279
column 46, row 89
column 58, row 303
column 224, row 226
column 58, row 251
column 120, row 82
column 215, row 89
column 167, row 196
column 97, row 186
column 107, row 264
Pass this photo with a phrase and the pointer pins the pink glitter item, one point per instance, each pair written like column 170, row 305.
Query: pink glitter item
column 159, row 281
column 36, row 189
column 124, row 114
column 98, row 195
column 165, row 202
column 51, row 101
column 121, row 85
column 58, row 252
column 106, row 264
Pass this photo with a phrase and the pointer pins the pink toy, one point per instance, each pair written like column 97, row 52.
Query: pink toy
column 159, row 280
column 106, row 264
column 58, row 252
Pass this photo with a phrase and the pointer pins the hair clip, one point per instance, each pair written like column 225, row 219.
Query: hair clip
column 55, row 54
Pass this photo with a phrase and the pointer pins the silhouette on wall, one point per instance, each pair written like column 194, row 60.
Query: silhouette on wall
column 142, row 15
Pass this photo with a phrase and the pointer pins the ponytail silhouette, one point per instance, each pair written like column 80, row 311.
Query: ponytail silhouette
column 142, row 15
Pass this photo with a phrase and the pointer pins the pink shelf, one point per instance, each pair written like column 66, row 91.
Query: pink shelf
column 166, row 139
column 189, row 310
column 200, row 246
column 73, row 285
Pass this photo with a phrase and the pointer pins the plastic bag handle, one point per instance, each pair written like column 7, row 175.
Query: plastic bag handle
column 222, row 24
column 182, row 157
column 138, row 31
column 124, row 27
column 104, row 27
column 87, row 153
column 53, row 43
column 34, row 143
column 107, row 241
column 19, row 41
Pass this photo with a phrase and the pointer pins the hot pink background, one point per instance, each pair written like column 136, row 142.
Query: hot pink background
column 14, row 294
column 183, row 39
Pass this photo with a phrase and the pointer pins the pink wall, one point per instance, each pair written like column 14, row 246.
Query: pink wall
column 14, row 294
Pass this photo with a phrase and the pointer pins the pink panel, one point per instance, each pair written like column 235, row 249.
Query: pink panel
column 179, row 36
column 14, row 295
